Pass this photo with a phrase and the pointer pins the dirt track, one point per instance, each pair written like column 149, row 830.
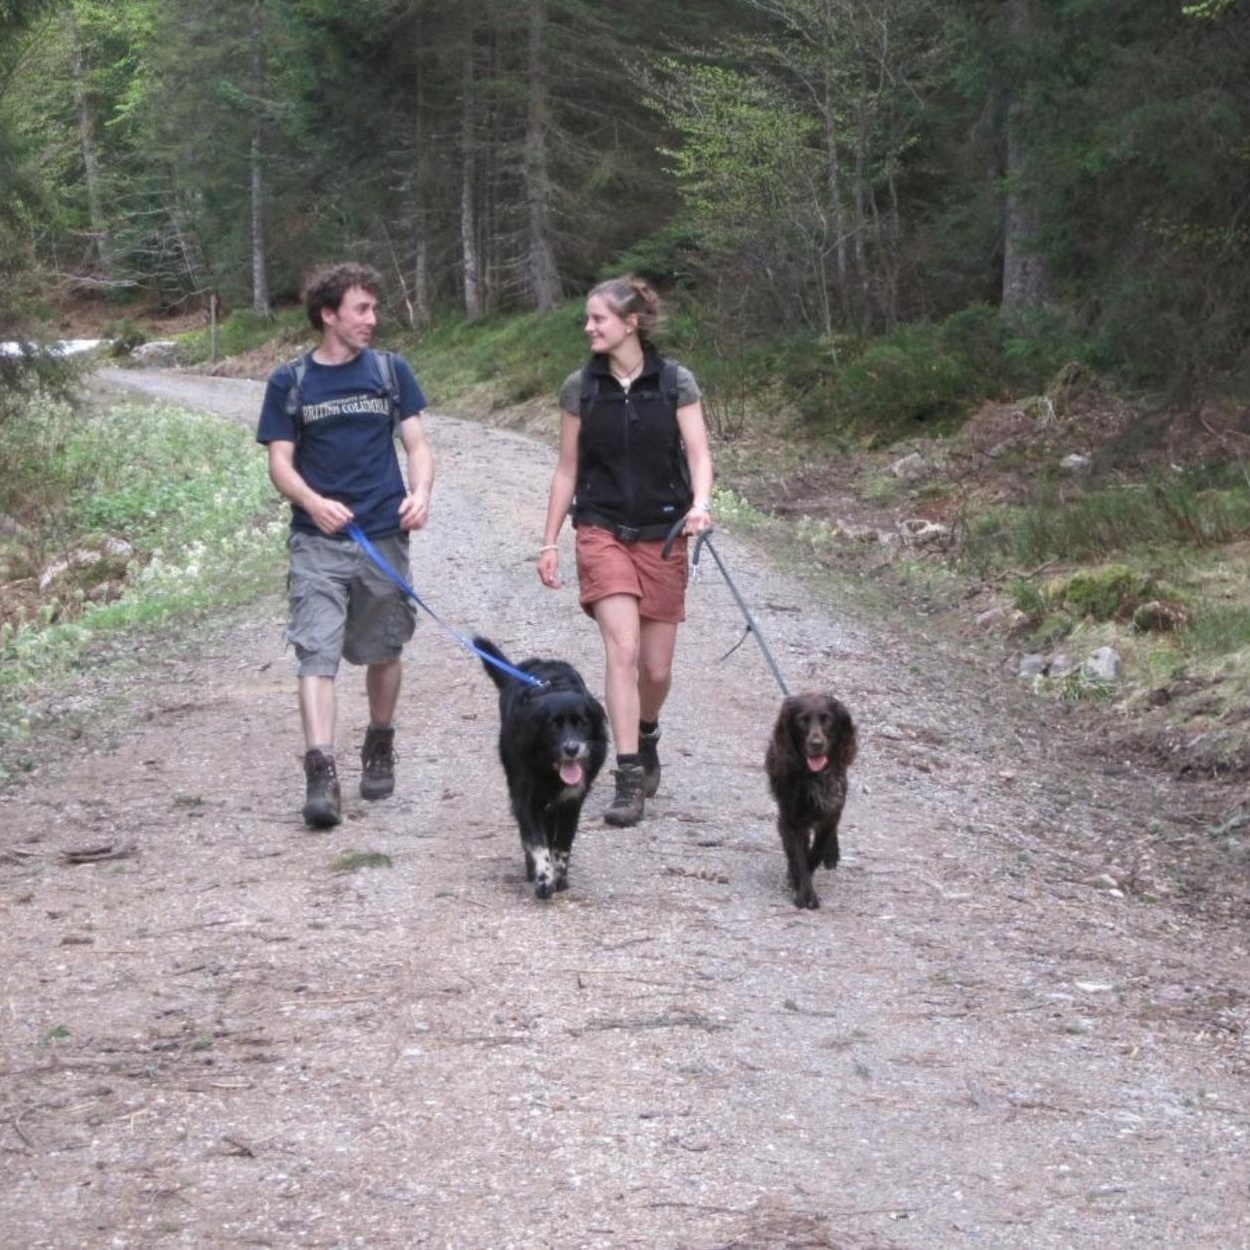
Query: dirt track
column 219, row 1041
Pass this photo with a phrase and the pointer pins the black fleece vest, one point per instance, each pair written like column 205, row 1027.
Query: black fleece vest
column 631, row 462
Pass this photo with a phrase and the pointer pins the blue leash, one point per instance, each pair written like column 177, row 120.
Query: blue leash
column 354, row 531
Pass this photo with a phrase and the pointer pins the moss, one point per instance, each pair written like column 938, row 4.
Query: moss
column 1111, row 592
column 354, row 861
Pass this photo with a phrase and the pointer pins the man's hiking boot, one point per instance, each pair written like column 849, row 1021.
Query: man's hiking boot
column 649, row 753
column 377, row 764
column 627, row 807
column 323, row 806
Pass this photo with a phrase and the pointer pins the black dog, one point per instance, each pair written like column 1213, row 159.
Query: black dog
column 552, row 741
column 813, row 745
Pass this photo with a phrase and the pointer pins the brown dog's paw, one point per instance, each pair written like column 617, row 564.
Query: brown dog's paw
column 806, row 897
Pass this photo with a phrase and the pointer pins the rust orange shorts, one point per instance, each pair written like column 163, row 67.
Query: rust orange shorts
column 606, row 566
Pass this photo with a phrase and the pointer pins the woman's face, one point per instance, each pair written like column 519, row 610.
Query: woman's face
column 605, row 329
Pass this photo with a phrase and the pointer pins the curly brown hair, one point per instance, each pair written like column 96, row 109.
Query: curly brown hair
column 326, row 287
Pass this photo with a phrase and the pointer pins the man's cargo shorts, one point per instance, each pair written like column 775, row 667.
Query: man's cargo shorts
column 343, row 606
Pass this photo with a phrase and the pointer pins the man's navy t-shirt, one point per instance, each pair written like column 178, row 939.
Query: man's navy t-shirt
column 345, row 436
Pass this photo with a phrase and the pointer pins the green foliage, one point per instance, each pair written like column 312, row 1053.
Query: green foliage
column 124, row 335
column 189, row 496
column 1109, row 593
column 1051, row 629
column 1208, row 8
column 922, row 378
column 1039, row 346
column 1028, row 598
column 534, row 351
column 832, row 169
column 355, row 861
column 667, row 258
column 898, row 383
column 243, row 330
column 743, row 148
column 749, row 174
column 28, row 376
column 1098, row 523
column 1219, row 629
column 38, row 470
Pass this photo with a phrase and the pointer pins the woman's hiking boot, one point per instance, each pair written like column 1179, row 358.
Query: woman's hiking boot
column 649, row 753
column 377, row 764
column 627, row 806
column 323, row 806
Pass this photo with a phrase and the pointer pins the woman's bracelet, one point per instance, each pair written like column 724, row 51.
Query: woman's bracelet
column 548, row 547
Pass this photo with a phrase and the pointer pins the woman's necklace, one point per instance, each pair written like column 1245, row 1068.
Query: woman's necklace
column 626, row 378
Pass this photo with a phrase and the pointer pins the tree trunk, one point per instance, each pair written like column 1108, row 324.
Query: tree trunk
column 1026, row 281
column 859, row 227
column 468, row 212
column 260, row 273
column 420, row 304
column 98, row 248
column 541, row 265
column 833, row 172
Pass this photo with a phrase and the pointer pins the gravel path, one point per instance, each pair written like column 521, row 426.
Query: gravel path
column 984, row 1038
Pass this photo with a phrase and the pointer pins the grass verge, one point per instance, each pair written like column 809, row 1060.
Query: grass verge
column 117, row 520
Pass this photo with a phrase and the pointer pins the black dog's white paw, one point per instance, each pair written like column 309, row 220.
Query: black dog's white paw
column 546, row 875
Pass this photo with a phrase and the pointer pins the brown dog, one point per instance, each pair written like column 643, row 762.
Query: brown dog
column 813, row 745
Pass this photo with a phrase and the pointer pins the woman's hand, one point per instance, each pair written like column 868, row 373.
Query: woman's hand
column 549, row 566
column 698, row 519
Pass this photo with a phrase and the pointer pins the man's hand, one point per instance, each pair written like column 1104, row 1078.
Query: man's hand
column 328, row 515
column 414, row 512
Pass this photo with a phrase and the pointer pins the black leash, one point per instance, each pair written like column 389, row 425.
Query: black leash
column 705, row 540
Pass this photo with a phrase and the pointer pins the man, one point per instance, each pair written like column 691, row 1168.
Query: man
column 329, row 422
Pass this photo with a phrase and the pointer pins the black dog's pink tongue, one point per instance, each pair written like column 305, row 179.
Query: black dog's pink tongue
column 571, row 773
column 816, row 762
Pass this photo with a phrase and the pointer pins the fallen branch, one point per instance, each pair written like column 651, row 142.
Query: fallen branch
column 100, row 854
column 666, row 1021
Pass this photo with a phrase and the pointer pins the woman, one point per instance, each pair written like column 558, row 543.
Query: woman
column 634, row 465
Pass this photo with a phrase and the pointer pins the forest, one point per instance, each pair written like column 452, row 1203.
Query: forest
column 1015, row 182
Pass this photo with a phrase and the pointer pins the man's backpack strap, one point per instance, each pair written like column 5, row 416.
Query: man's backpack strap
column 391, row 381
column 294, row 401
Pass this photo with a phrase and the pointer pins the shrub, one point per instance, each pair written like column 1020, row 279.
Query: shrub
column 897, row 383
column 1038, row 345
column 1113, row 592
column 977, row 338
column 1098, row 523
column 929, row 375
column 669, row 257
column 124, row 335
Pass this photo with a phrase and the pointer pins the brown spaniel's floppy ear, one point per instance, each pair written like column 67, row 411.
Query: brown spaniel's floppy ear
column 783, row 731
column 846, row 742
